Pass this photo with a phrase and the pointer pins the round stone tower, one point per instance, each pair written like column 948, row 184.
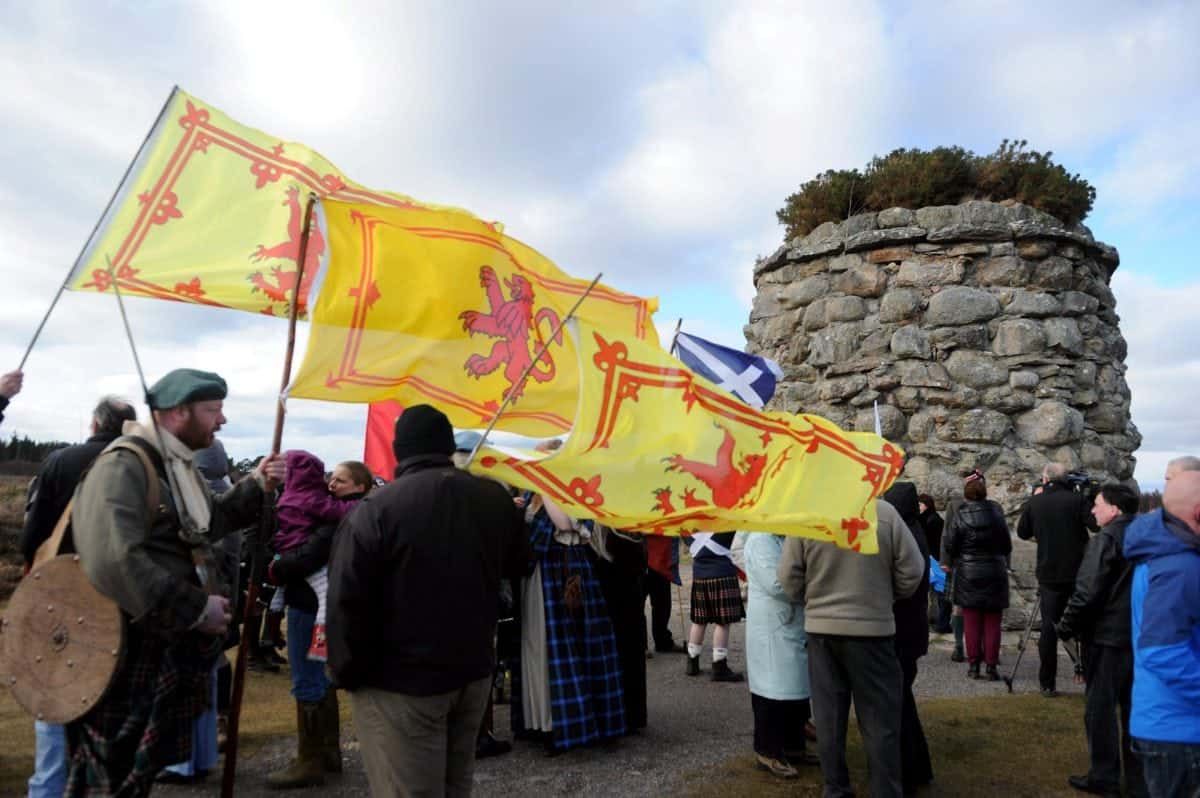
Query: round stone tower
column 986, row 333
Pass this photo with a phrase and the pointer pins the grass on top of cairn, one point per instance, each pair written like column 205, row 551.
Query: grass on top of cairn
column 1003, row 745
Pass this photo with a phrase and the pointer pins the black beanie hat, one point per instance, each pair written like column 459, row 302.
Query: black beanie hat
column 422, row 429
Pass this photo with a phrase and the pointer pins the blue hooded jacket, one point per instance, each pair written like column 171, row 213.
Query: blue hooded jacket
column 1166, row 629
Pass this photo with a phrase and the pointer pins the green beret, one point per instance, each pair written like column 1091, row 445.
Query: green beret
column 182, row 386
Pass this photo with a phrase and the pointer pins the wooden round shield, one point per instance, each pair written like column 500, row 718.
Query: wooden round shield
column 61, row 642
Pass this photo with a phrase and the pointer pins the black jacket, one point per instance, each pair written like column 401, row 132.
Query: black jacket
column 56, row 482
column 1099, row 609
column 414, row 577
column 912, row 619
column 293, row 567
column 977, row 546
column 1058, row 518
column 933, row 525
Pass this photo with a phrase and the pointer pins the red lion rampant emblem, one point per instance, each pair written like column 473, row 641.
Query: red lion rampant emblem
column 511, row 320
column 729, row 483
column 289, row 250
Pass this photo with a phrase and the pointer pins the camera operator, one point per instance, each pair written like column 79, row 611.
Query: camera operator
column 1058, row 518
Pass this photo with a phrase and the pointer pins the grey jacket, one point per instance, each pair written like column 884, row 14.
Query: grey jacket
column 851, row 594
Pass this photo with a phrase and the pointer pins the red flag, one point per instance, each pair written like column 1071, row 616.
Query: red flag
column 662, row 556
column 381, row 430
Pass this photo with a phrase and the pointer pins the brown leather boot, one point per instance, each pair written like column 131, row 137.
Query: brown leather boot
column 307, row 769
column 331, row 733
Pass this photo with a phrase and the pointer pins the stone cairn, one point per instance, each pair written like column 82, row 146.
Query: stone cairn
column 987, row 333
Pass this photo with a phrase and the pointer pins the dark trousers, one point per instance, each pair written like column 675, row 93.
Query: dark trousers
column 981, row 628
column 779, row 726
column 944, row 608
column 1172, row 769
column 866, row 670
column 1054, row 601
column 916, row 768
column 658, row 589
column 1109, row 674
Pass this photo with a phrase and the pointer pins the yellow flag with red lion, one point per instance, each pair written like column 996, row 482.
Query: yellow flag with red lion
column 421, row 305
column 659, row 449
column 212, row 213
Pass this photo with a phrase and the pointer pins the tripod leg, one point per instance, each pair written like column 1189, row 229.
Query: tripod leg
column 1033, row 616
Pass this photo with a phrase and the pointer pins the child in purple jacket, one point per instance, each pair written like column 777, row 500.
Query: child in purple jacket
column 305, row 505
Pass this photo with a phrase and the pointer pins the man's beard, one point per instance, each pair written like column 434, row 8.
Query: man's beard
column 194, row 435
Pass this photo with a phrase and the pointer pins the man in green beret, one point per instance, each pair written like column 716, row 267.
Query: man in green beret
column 153, row 557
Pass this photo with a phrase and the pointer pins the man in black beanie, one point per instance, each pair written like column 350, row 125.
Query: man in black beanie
column 411, row 616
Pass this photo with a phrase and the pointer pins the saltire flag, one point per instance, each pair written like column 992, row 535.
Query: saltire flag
column 381, row 431
column 211, row 213
column 750, row 378
column 423, row 306
column 660, row 450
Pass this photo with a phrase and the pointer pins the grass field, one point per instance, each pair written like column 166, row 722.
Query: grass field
column 1013, row 746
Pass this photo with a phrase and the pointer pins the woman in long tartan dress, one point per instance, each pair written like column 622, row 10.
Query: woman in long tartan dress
column 568, row 682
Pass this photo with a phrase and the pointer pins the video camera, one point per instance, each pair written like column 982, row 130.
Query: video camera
column 1077, row 481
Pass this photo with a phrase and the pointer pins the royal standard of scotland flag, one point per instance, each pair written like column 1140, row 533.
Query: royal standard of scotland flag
column 750, row 378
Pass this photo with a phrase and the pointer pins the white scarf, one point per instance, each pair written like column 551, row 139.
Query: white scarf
column 189, row 490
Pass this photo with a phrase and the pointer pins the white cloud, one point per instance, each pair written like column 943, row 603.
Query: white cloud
column 1157, row 167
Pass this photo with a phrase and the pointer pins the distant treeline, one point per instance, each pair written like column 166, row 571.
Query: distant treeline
column 24, row 448
column 1150, row 501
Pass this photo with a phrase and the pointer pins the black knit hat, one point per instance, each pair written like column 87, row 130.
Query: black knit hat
column 422, row 429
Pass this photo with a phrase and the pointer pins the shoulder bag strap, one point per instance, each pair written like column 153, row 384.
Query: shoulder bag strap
column 49, row 549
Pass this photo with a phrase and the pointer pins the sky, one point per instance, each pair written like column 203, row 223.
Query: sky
column 652, row 142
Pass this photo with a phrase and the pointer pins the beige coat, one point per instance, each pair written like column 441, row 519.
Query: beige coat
column 851, row 594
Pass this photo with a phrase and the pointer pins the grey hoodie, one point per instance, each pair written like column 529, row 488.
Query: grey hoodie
column 851, row 594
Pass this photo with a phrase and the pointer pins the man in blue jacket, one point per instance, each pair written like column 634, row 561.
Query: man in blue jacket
column 1165, row 549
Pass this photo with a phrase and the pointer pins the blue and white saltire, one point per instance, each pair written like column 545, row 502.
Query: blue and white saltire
column 750, row 378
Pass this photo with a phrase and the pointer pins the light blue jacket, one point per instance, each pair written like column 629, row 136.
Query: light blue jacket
column 776, row 645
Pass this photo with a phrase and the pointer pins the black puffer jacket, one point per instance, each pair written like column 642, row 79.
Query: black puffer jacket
column 977, row 546
column 1099, row 609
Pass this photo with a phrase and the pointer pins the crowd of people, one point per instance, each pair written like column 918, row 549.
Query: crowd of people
column 429, row 598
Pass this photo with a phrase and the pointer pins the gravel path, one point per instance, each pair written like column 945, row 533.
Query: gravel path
column 693, row 723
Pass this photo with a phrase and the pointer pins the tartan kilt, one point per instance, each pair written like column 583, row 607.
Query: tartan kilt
column 144, row 722
column 717, row 601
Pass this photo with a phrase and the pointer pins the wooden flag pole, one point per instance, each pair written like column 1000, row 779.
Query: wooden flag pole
column 83, row 250
column 525, row 374
column 256, row 558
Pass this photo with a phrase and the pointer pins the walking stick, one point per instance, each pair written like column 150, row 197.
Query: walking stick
column 256, row 558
